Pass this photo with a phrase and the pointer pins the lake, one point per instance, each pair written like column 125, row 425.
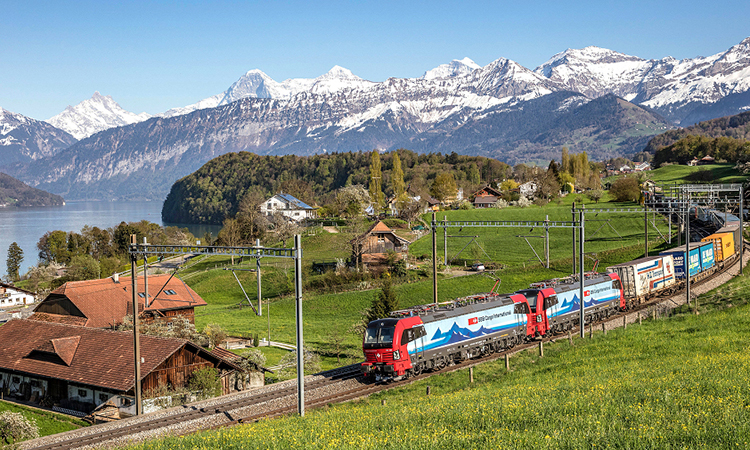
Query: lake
column 26, row 225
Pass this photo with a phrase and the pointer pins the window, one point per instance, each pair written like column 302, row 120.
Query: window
column 521, row 308
column 34, row 383
column 16, row 379
column 141, row 295
column 550, row 301
column 82, row 393
column 103, row 397
column 170, row 292
column 616, row 285
column 269, row 206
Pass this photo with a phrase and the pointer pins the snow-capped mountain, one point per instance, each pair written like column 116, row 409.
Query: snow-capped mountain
column 685, row 91
column 256, row 84
column 455, row 68
column 93, row 115
column 24, row 139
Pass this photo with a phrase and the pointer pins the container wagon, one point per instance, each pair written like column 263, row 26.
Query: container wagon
column 645, row 277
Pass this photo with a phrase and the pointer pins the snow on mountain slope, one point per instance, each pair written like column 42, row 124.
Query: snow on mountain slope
column 256, row 84
column 94, row 115
column 25, row 139
column 672, row 87
column 455, row 68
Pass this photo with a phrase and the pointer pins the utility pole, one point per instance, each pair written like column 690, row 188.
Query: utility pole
column 573, row 213
column 445, row 242
column 434, row 259
column 687, row 250
column 546, row 239
column 583, row 276
column 298, row 304
column 645, row 229
column 136, row 337
column 257, row 270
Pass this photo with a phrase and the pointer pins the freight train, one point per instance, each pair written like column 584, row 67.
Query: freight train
column 430, row 337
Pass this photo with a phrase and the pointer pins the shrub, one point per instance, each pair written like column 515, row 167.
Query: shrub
column 625, row 190
column 15, row 427
column 206, row 382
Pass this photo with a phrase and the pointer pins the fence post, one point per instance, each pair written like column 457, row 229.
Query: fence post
column 507, row 363
column 471, row 374
column 541, row 349
column 604, row 329
column 624, row 322
column 570, row 338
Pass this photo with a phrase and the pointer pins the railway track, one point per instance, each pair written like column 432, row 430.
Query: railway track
column 335, row 386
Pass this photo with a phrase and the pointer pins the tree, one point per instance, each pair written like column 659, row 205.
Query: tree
column 384, row 302
column 15, row 427
column 595, row 195
column 53, row 246
column 84, row 267
column 216, row 336
column 376, row 182
column 444, row 186
column 625, row 190
column 565, row 161
column 397, row 178
column 13, row 263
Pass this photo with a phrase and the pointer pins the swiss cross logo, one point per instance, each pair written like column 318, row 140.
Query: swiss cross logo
column 586, row 293
column 473, row 321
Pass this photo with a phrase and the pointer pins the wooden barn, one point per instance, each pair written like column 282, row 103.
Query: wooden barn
column 373, row 246
column 105, row 302
column 79, row 368
column 486, row 197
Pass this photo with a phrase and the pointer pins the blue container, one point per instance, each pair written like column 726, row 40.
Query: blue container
column 707, row 256
column 678, row 255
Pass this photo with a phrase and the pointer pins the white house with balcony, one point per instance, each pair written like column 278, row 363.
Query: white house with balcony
column 290, row 207
column 12, row 296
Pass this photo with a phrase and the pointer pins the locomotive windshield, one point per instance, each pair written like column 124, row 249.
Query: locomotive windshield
column 378, row 337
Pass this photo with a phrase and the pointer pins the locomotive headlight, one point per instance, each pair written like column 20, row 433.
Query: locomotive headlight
column 396, row 354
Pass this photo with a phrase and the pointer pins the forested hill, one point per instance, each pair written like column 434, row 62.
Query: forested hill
column 215, row 191
column 16, row 193
column 735, row 127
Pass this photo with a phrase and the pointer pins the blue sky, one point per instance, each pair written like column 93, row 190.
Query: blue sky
column 154, row 55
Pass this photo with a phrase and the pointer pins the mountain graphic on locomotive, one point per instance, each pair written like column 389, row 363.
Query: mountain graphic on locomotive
column 432, row 336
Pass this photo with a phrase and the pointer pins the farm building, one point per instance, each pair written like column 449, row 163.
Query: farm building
column 373, row 246
column 13, row 296
column 79, row 368
column 288, row 206
column 105, row 302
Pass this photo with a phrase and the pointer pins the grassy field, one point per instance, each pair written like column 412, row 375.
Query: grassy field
column 678, row 174
column 676, row 383
column 48, row 422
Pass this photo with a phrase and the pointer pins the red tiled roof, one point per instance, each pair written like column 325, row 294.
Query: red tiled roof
column 92, row 356
column 59, row 318
column 105, row 302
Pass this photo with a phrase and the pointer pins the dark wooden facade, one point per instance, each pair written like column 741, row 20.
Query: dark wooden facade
column 176, row 370
column 373, row 246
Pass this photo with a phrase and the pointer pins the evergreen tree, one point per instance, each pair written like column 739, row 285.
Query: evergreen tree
column 565, row 160
column 384, row 302
column 13, row 263
column 376, row 182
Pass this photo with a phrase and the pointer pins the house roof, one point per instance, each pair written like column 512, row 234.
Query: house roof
column 294, row 202
column 487, row 190
column 485, row 199
column 379, row 228
column 229, row 356
column 83, row 355
column 104, row 302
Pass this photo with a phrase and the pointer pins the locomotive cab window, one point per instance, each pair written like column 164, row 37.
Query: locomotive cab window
column 616, row 284
column 550, row 301
column 379, row 337
column 521, row 308
column 407, row 336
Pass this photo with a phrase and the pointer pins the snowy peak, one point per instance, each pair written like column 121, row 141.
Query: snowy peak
column 338, row 72
column 96, row 114
column 455, row 68
column 25, row 139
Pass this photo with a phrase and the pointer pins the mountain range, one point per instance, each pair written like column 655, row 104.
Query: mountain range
column 592, row 99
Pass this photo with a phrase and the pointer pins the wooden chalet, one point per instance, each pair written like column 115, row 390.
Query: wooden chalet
column 486, row 197
column 373, row 246
column 79, row 368
column 105, row 302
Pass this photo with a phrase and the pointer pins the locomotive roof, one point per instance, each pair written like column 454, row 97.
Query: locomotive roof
column 462, row 305
column 563, row 283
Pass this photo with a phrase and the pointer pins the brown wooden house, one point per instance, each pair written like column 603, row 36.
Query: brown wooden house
column 486, row 197
column 373, row 246
column 79, row 368
column 105, row 302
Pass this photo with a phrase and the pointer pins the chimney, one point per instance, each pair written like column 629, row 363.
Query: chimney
column 116, row 278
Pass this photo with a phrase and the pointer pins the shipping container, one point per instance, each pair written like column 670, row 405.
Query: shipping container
column 678, row 256
column 723, row 245
column 707, row 256
column 644, row 276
